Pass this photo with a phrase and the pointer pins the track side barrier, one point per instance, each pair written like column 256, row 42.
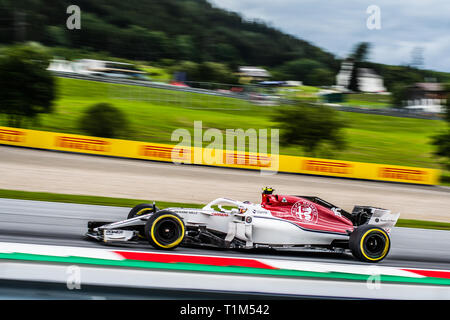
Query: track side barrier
column 232, row 159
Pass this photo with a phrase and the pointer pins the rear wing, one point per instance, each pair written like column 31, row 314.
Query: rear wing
column 378, row 217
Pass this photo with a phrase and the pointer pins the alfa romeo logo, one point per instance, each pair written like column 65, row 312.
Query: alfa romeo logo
column 305, row 211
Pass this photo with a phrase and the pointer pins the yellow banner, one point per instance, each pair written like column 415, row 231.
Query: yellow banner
column 223, row 158
column 359, row 170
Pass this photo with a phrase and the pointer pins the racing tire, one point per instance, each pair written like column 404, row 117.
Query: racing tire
column 140, row 209
column 369, row 244
column 165, row 230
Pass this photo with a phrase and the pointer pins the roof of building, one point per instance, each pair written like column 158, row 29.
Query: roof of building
column 428, row 86
column 254, row 72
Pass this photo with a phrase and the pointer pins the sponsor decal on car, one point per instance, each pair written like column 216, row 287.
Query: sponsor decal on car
column 113, row 231
column 402, row 174
column 337, row 212
column 328, row 167
column 117, row 235
column 12, row 135
column 82, row 144
column 185, row 211
column 220, row 214
column 305, row 211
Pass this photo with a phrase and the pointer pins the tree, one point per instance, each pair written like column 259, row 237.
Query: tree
column 322, row 77
column 104, row 120
column 310, row 72
column 442, row 144
column 417, row 57
column 184, row 47
column 226, row 52
column 206, row 72
column 353, row 84
column 398, row 94
column 442, row 140
column 447, row 105
column 27, row 88
column 56, row 36
column 398, row 75
column 216, row 72
column 358, row 57
column 311, row 126
column 188, row 67
column 361, row 52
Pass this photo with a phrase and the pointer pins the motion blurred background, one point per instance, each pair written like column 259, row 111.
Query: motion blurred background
column 344, row 81
column 169, row 63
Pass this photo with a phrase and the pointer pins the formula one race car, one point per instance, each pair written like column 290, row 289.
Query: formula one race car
column 280, row 221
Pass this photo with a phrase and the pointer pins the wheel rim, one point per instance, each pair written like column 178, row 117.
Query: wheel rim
column 141, row 212
column 375, row 245
column 167, row 231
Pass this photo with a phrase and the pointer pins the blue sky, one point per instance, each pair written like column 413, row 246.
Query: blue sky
column 337, row 25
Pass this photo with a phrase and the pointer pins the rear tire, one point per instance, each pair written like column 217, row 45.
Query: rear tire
column 141, row 209
column 369, row 244
column 165, row 230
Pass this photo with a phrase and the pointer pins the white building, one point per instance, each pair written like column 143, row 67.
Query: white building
column 96, row 67
column 61, row 65
column 426, row 97
column 249, row 74
column 368, row 80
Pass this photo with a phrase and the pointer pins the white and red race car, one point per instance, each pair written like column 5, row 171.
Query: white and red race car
column 279, row 221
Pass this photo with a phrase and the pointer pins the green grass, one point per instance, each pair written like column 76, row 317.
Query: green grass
column 367, row 100
column 300, row 93
column 122, row 202
column 384, row 139
column 154, row 114
column 445, row 178
column 156, row 74
column 392, row 140
column 82, row 199
column 408, row 223
column 365, row 104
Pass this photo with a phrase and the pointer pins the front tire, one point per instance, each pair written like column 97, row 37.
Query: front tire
column 165, row 230
column 141, row 209
column 369, row 244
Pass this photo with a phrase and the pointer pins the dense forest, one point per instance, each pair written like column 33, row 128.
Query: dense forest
column 151, row 30
column 181, row 30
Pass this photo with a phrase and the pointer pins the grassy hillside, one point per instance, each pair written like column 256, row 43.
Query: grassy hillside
column 154, row 114
column 368, row 100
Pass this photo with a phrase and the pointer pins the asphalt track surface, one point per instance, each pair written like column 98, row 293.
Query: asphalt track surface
column 58, row 172
column 64, row 224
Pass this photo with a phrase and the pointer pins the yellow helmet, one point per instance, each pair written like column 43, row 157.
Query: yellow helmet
column 268, row 190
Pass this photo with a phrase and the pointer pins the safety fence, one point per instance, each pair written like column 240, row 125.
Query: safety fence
column 224, row 158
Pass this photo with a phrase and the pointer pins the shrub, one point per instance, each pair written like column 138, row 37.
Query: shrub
column 311, row 126
column 104, row 120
